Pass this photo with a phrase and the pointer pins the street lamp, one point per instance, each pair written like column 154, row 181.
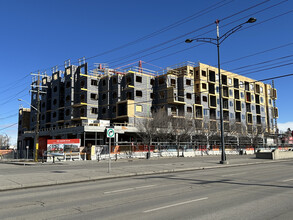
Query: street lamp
column 217, row 41
column 36, row 130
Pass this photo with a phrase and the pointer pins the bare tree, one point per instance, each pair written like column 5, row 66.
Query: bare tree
column 210, row 130
column 4, row 140
column 255, row 133
column 199, row 132
column 153, row 128
column 238, row 130
column 181, row 130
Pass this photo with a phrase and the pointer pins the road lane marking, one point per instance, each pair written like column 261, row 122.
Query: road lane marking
column 233, row 174
column 129, row 189
column 287, row 180
column 176, row 204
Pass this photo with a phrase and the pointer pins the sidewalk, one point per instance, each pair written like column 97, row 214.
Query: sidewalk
column 17, row 175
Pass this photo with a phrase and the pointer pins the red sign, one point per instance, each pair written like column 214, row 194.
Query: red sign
column 63, row 141
column 61, row 146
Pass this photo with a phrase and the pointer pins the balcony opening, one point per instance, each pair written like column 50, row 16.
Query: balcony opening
column 237, row 105
column 236, row 83
column 257, row 108
column 94, row 96
column 213, row 114
column 196, row 74
column 246, row 86
column 122, row 109
column 211, row 88
column 257, row 99
column 224, row 80
column 257, row 88
column 226, row 103
column 226, row 115
column 213, row 102
column 236, row 94
column 93, row 83
column 212, row 76
column 238, row 116
column 248, row 96
column 197, row 99
column 138, row 93
column 198, row 111
column 152, row 82
column 138, row 79
column 248, row 107
column 249, row 118
column 225, row 91
column 258, row 119
column 173, row 82
column 189, row 109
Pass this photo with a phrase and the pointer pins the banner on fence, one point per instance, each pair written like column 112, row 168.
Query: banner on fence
column 61, row 146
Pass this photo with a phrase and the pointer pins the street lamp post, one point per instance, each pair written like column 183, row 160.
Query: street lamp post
column 217, row 41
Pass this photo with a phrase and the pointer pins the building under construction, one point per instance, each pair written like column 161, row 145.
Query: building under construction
column 80, row 103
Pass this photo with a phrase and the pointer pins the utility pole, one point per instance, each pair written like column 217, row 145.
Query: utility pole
column 274, row 112
column 38, row 120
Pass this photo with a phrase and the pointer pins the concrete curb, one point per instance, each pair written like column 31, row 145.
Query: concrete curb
column 116, row 176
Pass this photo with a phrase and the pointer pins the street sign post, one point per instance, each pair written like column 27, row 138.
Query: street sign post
column 110, row 135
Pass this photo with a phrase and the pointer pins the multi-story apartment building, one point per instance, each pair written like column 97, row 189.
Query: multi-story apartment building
column 79, row 103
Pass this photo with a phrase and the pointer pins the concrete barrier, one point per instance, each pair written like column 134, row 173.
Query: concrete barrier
column 275, row 155
column 264, row 155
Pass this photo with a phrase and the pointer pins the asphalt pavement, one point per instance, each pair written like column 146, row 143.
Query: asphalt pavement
column 24, row 174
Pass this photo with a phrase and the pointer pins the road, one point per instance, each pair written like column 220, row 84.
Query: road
column 262, row 191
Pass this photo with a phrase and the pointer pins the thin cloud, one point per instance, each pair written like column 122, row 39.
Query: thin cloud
column 284, row 126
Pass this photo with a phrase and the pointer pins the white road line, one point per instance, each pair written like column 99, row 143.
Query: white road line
column 233, row 174
column 169, row 206
column 287, row 180
column 129, row 189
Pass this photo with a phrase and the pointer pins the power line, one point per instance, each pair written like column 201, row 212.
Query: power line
column 144, row 50
column 258, row 53
column 191, row 31
column 267, row 61
column 183, row 35
column 195, row 15
column 8, row 126
column 223, row 62
column 9, row 116
column 271, row 67
column 13, row 97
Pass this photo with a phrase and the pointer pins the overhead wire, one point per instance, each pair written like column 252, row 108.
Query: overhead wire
column 8, row 126
column 179, row 51
column 183, row 35
column 191, row 31
column 184, row 20
column 9, row 116
column 226, row 18
column 267, row 61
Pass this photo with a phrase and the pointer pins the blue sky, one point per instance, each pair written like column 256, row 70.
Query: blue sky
column 37, row 35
